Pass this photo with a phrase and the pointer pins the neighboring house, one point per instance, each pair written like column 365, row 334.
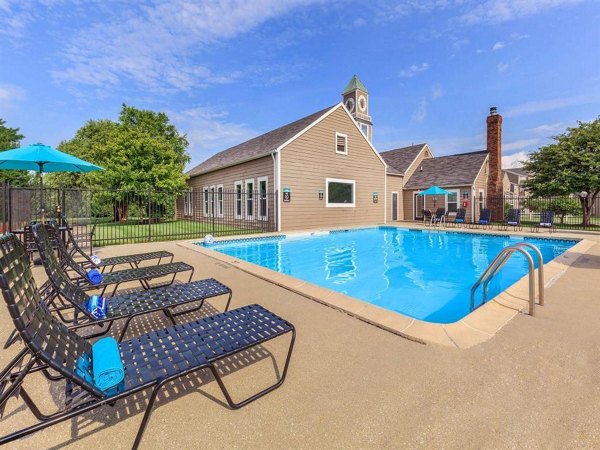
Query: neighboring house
column 514, row 184
column 322, row 171
column 470, row 177
column 323, row 168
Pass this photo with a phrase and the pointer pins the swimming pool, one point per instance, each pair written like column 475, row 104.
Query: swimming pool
column 424, row 274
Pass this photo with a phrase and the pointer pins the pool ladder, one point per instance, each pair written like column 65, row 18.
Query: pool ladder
column 497, row 264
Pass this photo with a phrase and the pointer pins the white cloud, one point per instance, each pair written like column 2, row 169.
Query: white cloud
column 518, row 36
column 10, row 94
column 436, row 92
column 498, row 45
column 414, row 70
column 550, row 129
column 549, row 105
column 514, row 160
column 504, row 10
column 155, row 45
column 421, row 113
column 209, row 131
column 520, row 144
column 502, row 67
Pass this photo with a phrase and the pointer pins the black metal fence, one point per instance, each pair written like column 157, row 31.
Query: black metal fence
column 568, row 210
column 123, row 217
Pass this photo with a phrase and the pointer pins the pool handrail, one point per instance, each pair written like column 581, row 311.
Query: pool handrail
column 497, row 264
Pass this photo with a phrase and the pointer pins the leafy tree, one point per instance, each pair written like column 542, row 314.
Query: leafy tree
column 570, row 165
column 11, row 138
column 143, row 151
column 562, row 206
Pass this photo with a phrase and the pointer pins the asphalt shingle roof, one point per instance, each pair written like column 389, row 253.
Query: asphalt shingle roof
column 259, row 146
column 398, row 160
column 451, row 170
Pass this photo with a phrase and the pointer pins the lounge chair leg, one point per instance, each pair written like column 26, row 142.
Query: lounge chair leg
column 250, row 399
column 169, row 314
column 13, row 337
column 142, row 428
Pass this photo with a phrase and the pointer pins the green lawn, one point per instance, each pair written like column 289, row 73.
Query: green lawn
column 132, row 232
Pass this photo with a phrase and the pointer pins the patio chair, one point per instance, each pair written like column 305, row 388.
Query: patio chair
column 109, row 263
column 123, row 306
column 42, row 235
column 546, row 221
column 513, row 220
column 150, row 361
column 485, row 216
column 439, row 218
column 459, row 219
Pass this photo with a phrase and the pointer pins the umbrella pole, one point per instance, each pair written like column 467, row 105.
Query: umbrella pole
column 42, row 195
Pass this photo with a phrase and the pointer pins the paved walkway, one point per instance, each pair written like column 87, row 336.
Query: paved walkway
column 352, row 385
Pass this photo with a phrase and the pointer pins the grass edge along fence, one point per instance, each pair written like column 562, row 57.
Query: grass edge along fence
column 127, row 217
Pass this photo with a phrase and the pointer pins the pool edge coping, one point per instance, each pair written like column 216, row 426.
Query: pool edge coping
column 475, row 328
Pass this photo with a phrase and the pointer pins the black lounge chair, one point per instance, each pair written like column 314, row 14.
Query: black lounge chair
column 110, row 262
column 42, row 235
column 484, row 221
column 439, row 218
column 546, row 221
column 427, row 214
column 150, row 361
column 459, row 219
column 123, row 306
column 513, row 220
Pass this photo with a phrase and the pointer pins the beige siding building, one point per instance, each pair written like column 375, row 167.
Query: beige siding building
column 322, row 171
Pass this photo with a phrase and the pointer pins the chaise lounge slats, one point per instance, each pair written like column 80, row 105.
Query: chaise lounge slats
column 150, row 361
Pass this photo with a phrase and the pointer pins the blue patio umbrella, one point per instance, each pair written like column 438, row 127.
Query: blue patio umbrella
column 434, row 190
column 42, row 158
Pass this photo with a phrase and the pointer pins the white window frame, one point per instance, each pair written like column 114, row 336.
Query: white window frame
column 266, row 199
column 205, row 201
column 249, row 198
column 188, row 203
column 454, row 191
column 481, row 199
column 212, row 201
column 239, row 184
column 345, row 136
column 340, row 205
column 220, row 209
column 397, row 206
column 364, row 128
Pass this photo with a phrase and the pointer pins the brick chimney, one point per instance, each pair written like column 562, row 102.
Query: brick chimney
column 494, row 148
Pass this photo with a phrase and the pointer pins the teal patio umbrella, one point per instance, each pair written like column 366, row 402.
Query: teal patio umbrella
column 434, row 190
column 42, row 158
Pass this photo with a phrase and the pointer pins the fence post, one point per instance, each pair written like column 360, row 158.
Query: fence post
column 149, row 215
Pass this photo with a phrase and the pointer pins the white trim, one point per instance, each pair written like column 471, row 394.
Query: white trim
column 384, row 195
column 364, row 137
column 212, row 205
column 221, row 206
column 485, row 161
column 417, row 157
column 301, row 132
column 249, row 198
column 258, row 181
column 345, row 136
column 340, row 205
column 481, row 191
column 397, row 206
column 414, row 208
column 235, row 199
column 457, row 191
column 205, row 201
column 279, row 199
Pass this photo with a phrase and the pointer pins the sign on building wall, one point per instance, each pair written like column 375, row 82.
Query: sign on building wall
column 287, row 195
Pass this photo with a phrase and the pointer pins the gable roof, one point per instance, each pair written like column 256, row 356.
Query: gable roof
column 400, row 159
column 518, row 170
column 257, row 147
column 451, row 170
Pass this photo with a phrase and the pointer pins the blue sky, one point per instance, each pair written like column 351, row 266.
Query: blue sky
column 227, row 70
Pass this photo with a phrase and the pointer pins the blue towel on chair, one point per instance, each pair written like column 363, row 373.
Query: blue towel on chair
column 97, row 306
column 94, row 276
column 107, row 367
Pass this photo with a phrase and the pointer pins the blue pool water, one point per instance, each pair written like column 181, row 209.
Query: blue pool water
column 423, row 274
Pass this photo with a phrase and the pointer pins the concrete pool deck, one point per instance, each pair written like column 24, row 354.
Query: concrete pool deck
column 352, row 385
column 473, row 329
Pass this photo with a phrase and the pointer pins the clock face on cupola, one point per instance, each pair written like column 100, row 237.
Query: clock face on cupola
column 356, row 100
